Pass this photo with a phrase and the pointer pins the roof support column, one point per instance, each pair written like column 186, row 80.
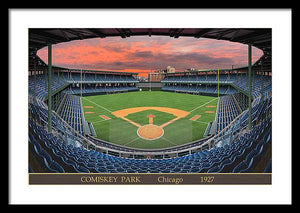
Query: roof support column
column 262, row 82
column 34, row 81
column 250, row 86
column 49, row 87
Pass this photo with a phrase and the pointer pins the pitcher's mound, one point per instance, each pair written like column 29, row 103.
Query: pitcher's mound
column 150, row 132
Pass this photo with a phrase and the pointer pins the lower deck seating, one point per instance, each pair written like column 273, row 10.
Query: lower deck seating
column 77, row 90
column 72, row 113
column 227, row 112
column 39, row 84
column 200, row 89
column 260, row 84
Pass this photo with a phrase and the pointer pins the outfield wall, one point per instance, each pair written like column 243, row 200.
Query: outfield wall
column 145, row 86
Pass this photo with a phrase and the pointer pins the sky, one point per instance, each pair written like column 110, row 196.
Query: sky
column 143, row 53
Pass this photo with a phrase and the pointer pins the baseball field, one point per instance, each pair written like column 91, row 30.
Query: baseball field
column 149, row 120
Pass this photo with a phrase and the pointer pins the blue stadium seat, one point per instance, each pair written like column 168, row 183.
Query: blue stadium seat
column 81, row 169
column 268, row 169
column 248, row 167
column 214, row 169
column 242, row 165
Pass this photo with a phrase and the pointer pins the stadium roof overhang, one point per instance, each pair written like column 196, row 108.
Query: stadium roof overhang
column 257, row 37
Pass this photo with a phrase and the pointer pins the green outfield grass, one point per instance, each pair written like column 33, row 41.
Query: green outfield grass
column 121, row 132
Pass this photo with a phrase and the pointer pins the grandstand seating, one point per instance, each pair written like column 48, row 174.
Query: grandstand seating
column 201, row 78
column 63, row 80
column 202, row 89
column 257, row 83
column 59, row 156
column 179, row 83
column 72, row 112
column 42, row 84
column 227, row 112
column 62, row 150
column 99, row 78
column 77, row 90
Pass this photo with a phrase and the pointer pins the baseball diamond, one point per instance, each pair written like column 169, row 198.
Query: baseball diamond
column 150, row 120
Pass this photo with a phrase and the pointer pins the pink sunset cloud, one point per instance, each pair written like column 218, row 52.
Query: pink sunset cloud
column 143, row 53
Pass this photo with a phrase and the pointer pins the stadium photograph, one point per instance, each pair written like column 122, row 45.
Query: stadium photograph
column 150, row 101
